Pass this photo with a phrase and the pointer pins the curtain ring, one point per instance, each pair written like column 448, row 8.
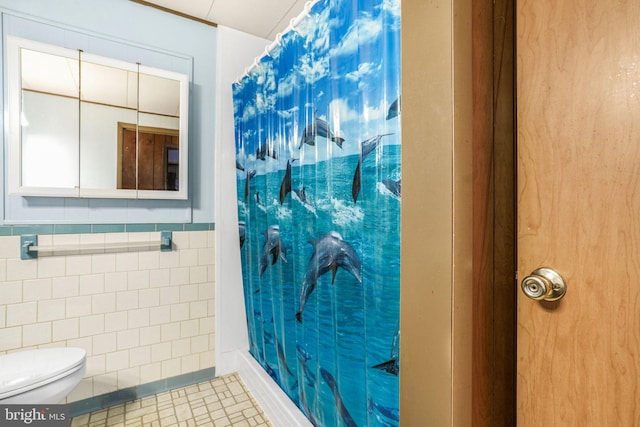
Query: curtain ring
column 307, row 7
column 268, row 49
column 293, row 26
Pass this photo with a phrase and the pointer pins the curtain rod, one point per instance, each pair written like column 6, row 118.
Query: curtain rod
column 292, row 26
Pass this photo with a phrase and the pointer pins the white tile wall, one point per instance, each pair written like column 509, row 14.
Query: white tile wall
column 141, row 316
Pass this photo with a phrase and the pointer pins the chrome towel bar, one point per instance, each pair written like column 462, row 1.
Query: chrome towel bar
column 29, row 247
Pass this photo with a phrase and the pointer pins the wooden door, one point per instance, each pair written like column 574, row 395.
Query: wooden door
column 153, row 163
column 144, row 160
column 578, row 160
column 127, row 155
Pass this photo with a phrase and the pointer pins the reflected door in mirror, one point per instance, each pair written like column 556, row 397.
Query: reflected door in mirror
column 157, row 152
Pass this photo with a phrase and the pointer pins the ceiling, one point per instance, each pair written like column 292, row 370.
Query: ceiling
column 262, row 18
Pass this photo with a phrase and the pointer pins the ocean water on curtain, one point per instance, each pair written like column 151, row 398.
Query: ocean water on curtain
column 348, row 327
column 318, row 160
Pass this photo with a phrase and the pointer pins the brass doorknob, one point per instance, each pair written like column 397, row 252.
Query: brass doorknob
column 544, row 284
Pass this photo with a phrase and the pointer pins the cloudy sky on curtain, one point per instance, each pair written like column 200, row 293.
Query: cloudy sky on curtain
column 318, row 184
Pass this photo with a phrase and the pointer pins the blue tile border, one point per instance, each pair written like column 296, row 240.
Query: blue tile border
column 19, row 230
column 71, row 228
column 129, row 394
column 107, row 228
column 170, row 227
column 195, row 227
column 132, row 228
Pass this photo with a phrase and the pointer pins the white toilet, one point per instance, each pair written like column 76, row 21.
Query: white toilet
column 42, row 376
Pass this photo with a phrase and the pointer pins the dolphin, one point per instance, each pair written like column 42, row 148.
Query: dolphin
column 266, row 149
column 366, row 147
column 303, row 358
column 357, row 182
column 272, row 246
column 390, row 413
column 394, row 109
column 268, row 336
column 250, row 175
column 318, row 128
column 303, row 353
column 394, row 186
column 329, row 252
column 258, row 200
column 282, row 358
column 272, row 373
column 301, row 193
column 303, row 395
column 305, row 407
column 239, row 166
column 242, row 231
column 285, row 185
column 342, row 410
column 392, row 365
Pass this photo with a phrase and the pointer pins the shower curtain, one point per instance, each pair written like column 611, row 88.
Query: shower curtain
column 318, row 182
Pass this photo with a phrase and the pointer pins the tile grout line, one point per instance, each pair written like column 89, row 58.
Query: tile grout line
column 175, row 408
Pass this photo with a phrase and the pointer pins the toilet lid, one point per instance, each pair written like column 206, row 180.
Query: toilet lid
column 25, row 369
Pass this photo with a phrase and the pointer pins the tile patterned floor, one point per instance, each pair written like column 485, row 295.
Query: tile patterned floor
column 222, row 401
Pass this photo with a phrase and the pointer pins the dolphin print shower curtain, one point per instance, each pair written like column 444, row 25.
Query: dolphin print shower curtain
column 318, row 182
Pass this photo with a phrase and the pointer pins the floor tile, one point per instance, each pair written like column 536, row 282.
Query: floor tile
column 220, row 402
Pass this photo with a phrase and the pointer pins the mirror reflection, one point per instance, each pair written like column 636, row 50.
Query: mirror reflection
column 108, row 95
column 158, row 158
column 103, row 127
column 50, row 142
column 158, row 138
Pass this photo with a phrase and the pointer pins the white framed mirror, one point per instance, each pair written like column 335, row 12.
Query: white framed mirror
column 82, row 125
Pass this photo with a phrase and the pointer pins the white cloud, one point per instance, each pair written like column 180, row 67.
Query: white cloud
column 265, row 100
column 287, row 114
column 374, row 113
column 364, row 69
column 342, row 118
column 362, row 31
column 248, row 112
column 313, row 69
column 315, row 30
column 340, row 112
column 288, row 83
column 392, row 7
column 266, row 85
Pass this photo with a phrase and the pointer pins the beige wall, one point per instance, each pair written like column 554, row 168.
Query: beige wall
column 436, row 289
column 141, row 316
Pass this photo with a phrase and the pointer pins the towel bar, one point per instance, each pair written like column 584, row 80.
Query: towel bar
column 29, row 247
